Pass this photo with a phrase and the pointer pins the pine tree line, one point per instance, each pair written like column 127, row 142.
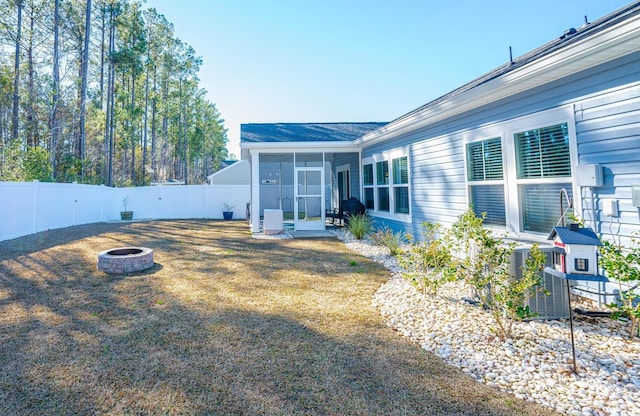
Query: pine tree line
column 101, row 92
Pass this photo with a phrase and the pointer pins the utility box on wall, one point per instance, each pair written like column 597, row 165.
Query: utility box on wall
column 589, row 175
column 610, row 207
column 635, row 196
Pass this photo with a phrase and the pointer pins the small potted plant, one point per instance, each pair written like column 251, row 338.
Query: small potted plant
column 124, row 214
column 227, row 212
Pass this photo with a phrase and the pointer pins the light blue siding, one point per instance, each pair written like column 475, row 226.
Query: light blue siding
column 352, row 160
column 606, row 100
column 608, row 133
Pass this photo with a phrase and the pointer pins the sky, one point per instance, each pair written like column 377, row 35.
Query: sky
column 270, row 61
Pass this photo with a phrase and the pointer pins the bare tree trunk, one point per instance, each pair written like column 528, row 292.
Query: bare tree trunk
column 55, row 87
column 144, row 130
column 178, row 152
column 132, row 174
column 111, row 97
column 107, row 129
column 185, row 144
column 16, row 78
column 154, row 160
column 83, row 87
column 127, row 129
column 132, row 129
column 103, row 15
column 164, row 162
column 110, row 100
column 31, row 125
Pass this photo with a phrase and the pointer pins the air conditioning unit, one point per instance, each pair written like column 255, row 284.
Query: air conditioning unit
column 552, row 306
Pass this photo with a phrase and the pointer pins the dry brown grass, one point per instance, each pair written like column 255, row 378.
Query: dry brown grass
column 222, row 324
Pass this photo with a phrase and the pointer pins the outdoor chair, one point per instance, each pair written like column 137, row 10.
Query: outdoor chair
column 340, row 216
column 335, row 215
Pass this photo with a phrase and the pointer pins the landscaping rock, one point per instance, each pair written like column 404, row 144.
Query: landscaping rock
column 536, row 365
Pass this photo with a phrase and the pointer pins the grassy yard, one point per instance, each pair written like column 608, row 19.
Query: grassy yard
column 223, row 324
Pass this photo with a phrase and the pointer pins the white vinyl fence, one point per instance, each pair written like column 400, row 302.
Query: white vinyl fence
column 31, row 207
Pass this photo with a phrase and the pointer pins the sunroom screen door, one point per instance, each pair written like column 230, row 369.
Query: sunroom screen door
column 309, row 199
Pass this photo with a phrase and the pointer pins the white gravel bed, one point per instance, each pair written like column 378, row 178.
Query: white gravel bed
column 535, row 365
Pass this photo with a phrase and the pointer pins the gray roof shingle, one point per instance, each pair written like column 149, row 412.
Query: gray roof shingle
column 305, row 132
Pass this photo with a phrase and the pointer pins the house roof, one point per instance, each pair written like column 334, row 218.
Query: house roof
column 581, row 236
column 226, row 163
column 604, row 39
column 305, row 132
column 569, row 37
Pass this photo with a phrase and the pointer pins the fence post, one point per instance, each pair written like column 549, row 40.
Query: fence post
column 204, row 197
column 34, row 210
column 102, row 192
column 75, row 203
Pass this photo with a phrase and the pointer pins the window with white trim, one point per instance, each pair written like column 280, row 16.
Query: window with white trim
column 401, row 185
column 382, row 186
column 515, row 171
column 543, row 166
column 367, row 180
column 385, row 180
column 485, row 177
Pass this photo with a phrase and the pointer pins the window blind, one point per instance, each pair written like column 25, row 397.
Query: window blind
column 400, row 171
column 383, row 199
column 543, row 153
column 541, row 206
column 368, row 198
column 489, row 199
column 382, row 173
column 367, row 174
column 484, row 160
column 401, row 198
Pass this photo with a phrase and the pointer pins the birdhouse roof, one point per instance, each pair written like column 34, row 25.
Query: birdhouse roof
column 579, row 236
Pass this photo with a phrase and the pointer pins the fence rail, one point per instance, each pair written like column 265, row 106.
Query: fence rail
column 31, row 207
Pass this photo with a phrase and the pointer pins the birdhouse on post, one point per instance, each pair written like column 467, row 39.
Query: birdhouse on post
column 575, row 251
column 575, row 257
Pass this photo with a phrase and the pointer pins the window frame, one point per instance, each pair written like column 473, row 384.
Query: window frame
column 581, row 265
column 368, row 185
column 382, row 184
column 397, row 184
column 512, row 185
column 390, row 184
column 486, row 182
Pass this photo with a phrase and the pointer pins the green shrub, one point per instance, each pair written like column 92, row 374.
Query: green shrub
column 360, row 225
column 484, row 261
column 622, row 264
column 392, row 240
column 11, row 168
column 427, row 264
column 36, row 164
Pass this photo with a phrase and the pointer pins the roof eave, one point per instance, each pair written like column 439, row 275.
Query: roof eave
column 233, row 165
column 609, row 44
column 308, row 147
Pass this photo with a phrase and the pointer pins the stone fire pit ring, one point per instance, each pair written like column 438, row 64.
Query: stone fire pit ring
column 125, row 260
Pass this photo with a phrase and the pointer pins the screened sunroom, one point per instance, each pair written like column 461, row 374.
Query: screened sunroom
column 299, row 171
